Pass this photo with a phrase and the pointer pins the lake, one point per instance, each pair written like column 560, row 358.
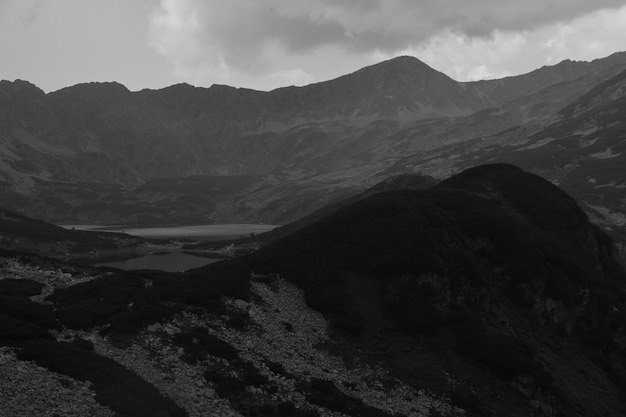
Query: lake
column 171, row 262
column 204, row 232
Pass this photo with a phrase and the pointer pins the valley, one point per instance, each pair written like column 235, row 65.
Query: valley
column 489, row 293
column 389, row 243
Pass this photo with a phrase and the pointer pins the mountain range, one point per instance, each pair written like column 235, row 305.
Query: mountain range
column 99, row 153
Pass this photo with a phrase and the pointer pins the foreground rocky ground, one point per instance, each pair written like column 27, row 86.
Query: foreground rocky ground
column 265, row 356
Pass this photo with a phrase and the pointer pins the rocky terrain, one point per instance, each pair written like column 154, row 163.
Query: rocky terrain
column 488, row 294
column 265, row 355
column 581, row 150
column 493, row 266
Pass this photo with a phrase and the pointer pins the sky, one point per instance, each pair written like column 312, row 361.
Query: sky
column 266, row 44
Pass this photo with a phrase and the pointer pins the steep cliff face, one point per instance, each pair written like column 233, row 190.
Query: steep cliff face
column 499, row 265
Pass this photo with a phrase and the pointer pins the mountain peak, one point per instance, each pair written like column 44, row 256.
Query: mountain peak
column 20, row 87
column 403, row 64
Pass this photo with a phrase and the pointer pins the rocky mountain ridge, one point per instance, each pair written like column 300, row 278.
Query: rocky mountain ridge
column 65, row 153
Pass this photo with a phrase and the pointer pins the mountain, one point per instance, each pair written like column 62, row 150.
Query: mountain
column 581, row 150
column 23, row 234
column 68, row 155
column 395, row 182
column 496, row 275
column 512, row 88
column 181, row 130
column 487, row 294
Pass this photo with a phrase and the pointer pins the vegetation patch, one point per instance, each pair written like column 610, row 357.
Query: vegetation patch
column 23, row 287
column 197, row 344
column 505, row 356
column 14, row 331
column 238, row 380
column 95, row 302
column 115, row 386
column 127, row 301
column 325, row 394
column 24, row 309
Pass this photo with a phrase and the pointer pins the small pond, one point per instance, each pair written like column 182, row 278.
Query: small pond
column 170, row 262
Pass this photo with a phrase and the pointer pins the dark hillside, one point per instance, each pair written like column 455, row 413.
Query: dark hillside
column 495, row 259
column 23, row 233
column 398, row 182
column 525, row 195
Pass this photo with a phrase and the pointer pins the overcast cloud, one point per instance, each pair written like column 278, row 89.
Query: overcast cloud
column 265, row 44
column 240, row 39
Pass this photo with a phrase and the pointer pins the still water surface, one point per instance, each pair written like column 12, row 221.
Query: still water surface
column 196, row 232
column 171, row 262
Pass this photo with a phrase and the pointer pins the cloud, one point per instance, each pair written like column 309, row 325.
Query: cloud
column 290, row 77
column 26, row 11
column 241, row 38
column 585, row 38
column 35, row 8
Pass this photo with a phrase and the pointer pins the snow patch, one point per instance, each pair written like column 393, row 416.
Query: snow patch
column 538, row 144
column 618, row 219
column 587, row 131
column 611, row 184
column 587, row 143
column 605, row 154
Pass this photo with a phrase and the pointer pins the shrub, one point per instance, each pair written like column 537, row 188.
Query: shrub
column 96, row 302
column 140, row 316
column 115, row 386
column 412, row 305
column 24, row 309
column 351, row 323
column 505, row 356
column 249, row 373
column 276, row 367
column 14, row 331
column 325, row 394
column 198, row 343
column 226, row 384
column 288, row 409
column 223, row 278
column 464, row 397
column 238, row 319
column 83, row 344
column 23, row 287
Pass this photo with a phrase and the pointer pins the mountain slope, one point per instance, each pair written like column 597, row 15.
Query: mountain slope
column 80, row 341
column 102, row 141
column 511, row 88
column 582, row 150
column 488, row 294
column 20, row 233
column 494, row 265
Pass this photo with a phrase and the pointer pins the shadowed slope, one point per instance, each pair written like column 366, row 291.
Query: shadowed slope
column 495, row 258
